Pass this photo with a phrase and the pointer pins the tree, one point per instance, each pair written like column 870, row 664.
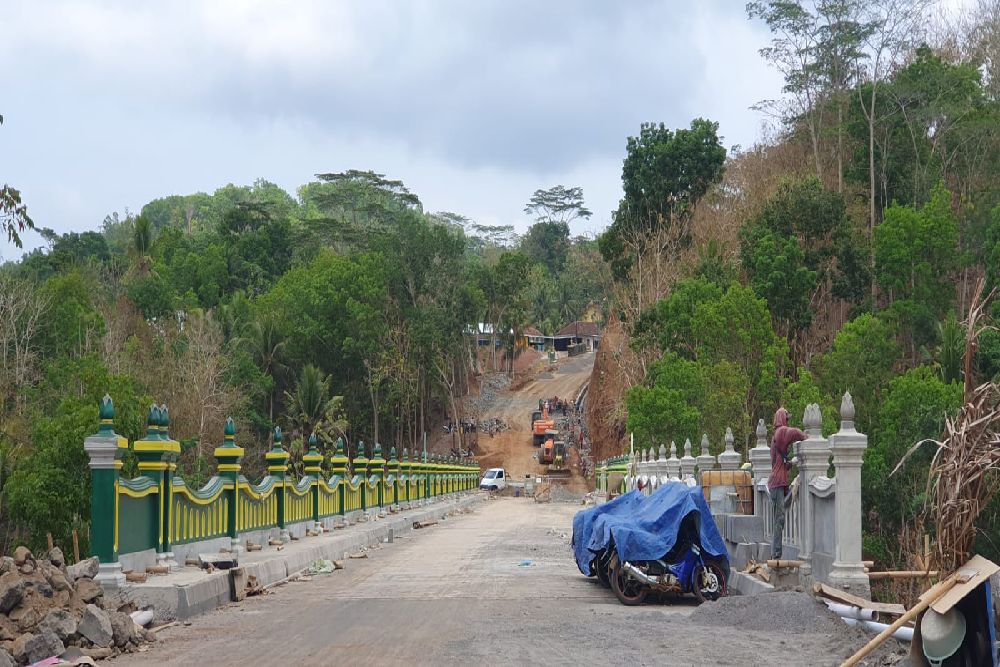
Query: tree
column 557, row 204
column 547, row 242
column 311, row 408
column 142, row 243
column 665, row 174
column 266, row 343
column 14, row 217
column 666, row 406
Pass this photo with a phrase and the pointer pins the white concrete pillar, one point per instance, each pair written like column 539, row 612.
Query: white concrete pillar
column 760, row 462
column 687, row 461
column 730, row 459
column 849, row 447
column 814, row 461
column 705, row 460
column 661, row 464
column 673, row 463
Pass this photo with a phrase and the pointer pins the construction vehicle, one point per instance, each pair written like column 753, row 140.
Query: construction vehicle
column 547, row 455
column 541, row 425
column 558, row 466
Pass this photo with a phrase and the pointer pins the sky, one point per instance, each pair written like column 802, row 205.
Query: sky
column 473, row 104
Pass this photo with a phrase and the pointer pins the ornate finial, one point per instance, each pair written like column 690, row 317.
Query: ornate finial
column 152, row 423
column 663, row 452
column 812, row 419
column 377, row 454
column 847, row 411
column 312, row 441
column 406, row 454
column 230, row 428
column 392, row 454
column 729, row 439
column 704, row 444
column 687, row 447
column 761, row 431
column 165, row 421
column 361, row 448
column 277, row 436
column 340, row 446
column 106, row 413
column 673, row 450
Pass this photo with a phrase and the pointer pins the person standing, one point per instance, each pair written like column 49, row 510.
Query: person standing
column 777, row 482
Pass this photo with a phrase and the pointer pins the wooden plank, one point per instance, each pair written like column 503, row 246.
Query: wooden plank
column 847, row 598
column 979, row 570
column 903, row 574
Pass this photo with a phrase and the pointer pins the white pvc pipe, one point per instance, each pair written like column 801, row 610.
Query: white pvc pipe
column 904, row 634
column 850, row 611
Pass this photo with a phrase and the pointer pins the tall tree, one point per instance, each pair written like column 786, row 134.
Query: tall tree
column 557, row 204
column 13, row 213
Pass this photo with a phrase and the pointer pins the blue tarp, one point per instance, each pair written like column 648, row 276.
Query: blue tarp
column 583, row 524
column 647, row 529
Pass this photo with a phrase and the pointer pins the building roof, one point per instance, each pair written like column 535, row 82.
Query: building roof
column 533, row 332
column 579, row 330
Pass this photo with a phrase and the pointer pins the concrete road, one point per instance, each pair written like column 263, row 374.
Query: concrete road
column 458, row 593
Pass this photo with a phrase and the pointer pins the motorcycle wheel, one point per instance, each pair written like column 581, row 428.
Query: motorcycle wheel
column 628, row 591
column 710, row 582
column 603, row 574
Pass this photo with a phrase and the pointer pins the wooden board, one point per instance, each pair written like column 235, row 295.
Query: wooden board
column 847, row 598
column 978, row 569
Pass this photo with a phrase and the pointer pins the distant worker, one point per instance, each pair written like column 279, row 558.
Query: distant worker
column 777, row 482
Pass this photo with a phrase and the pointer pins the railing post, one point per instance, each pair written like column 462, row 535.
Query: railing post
column 705, row 460
column 313, row 462
column 360, row 466
column 155, row 453
column 673, row 463
column 760, row 465
column 228, row 458
column 848, row 572
column 730, row 459
column 814, row 460
column 687, row 461
column 338, row 463
column 394, row 470
column 277, row 467
column 406, row 467
column 376, row 469
column 105, row 449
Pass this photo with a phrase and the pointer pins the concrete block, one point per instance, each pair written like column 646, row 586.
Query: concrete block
column 744, row 584
column 744, row 528
column 743, row 554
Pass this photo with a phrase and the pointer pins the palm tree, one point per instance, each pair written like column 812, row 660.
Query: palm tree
column 312, row 409
column 266, row 343
column 142, row 244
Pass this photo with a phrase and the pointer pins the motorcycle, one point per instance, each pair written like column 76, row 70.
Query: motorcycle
column 690, row 573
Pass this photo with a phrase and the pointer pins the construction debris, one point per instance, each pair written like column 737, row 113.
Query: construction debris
column 47, row 608
column 423, row 524
column 220, row 561
column 843, row 597
column 135, row 577
column 253, row 586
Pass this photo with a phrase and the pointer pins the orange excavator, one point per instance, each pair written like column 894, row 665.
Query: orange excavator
column 548, row 453
column 540, row 425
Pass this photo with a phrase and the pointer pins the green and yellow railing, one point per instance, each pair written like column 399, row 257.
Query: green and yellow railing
column 157, row 510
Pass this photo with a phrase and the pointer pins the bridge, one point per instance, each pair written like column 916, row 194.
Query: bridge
column 435, row 572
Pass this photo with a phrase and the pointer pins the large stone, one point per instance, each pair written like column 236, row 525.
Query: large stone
column 123, row 629
column 22, row 555
column 18, row 649
column 56, row 557
column 96, row 626
column 61, row 622
column 7, row 565
column 87, row 568
column 8, row 629
column 6, row 660
column 43, row 645
column 29, row 618
column 87, row 590
column 11, row 591
column 56, row 579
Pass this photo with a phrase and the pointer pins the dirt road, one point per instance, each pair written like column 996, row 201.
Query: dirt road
column 497, row 586
column 513, row 449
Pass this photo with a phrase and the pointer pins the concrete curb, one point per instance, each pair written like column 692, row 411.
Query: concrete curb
column 189, row 592
column 744, row 584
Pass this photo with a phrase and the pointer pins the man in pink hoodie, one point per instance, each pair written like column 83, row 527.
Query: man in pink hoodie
column 781, row 463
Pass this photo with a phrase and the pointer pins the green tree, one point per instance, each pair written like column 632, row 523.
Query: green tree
column 667, row 405
column 557, row 204
column 14, row 217
column 548, row 244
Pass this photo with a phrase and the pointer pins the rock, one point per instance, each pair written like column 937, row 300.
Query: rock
column 22, row 555
column 18, row 649
column 44, row 590
column 28, row 567
column 84, row 569
column 11, row 591
column 147, row 635
column 28, row 619
column 8, row 629
column 43, row 645
column 7, row 565
column 56, row 557
column 57, row 580
column 6, row 660
column 122, row 628
column 87, row 590
column 96, row 626
column 61, row 622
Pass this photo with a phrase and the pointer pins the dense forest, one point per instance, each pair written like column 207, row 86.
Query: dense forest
column 841, row 254
column 344, row 310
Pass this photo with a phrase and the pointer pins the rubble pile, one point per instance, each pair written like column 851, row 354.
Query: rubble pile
column 47, row 607
column 489, row 388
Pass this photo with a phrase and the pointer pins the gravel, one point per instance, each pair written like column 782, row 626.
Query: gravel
column 791, row 611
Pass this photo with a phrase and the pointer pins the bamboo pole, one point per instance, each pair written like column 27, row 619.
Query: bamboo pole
column 941, row 588
column 76, row 547
column 903, row 574
column 48, row 537
column 785, row 563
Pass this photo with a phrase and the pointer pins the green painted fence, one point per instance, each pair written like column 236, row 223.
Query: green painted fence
column 157, row 510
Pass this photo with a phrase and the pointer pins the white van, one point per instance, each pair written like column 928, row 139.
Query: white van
column 495, row 479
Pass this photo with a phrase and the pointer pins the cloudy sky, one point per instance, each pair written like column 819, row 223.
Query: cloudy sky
column 472, row 103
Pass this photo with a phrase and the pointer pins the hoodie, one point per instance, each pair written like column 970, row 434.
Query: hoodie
column 784, row 436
